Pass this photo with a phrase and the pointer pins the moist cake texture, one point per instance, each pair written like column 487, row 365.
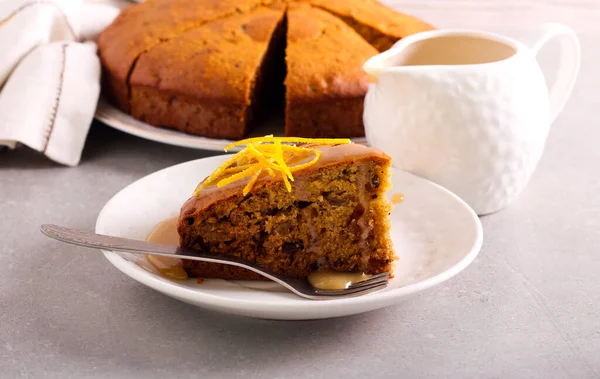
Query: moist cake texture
column 333, row 216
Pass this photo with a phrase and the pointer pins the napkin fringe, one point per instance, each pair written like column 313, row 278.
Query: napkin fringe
column 54, row 109
column 48, row 102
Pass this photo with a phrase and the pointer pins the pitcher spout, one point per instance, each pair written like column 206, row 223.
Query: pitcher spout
column 377, row 65
column 384, row 61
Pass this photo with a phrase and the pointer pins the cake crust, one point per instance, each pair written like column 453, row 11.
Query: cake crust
column 325, row 85
column 141, row 27
column 378, row 24
column 213, row 95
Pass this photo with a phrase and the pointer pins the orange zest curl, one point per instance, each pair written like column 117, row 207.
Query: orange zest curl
column 269, row 155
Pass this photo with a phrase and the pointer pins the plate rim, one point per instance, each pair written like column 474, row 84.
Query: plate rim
column 210, row 300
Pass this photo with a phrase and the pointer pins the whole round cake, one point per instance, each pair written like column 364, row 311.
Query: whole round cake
column 217, row 67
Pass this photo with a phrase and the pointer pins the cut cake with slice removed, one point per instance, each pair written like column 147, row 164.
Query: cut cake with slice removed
column 333, row 215
column 325, row 84
column 218, row 93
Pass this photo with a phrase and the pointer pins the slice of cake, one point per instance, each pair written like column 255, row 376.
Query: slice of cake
column 325, row 84
column 293, row 209
column 378, row 24
column 225, row 63
column 141, row 27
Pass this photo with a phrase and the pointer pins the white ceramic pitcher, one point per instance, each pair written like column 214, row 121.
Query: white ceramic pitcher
column 468, row 110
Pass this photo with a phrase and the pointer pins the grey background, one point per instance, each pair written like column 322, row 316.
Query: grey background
column 528, row 307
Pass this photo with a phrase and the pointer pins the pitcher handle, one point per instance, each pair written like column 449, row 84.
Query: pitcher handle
column 568, row 68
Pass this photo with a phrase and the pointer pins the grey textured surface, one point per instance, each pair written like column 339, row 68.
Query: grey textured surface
column 528, row 307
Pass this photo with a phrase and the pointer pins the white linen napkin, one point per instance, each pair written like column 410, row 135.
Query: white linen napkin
column 50, row 73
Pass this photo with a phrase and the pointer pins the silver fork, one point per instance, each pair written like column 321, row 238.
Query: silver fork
column 300, row 287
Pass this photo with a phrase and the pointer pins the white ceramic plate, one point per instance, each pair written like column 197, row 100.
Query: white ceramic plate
column 114, row 117
column 435, row 234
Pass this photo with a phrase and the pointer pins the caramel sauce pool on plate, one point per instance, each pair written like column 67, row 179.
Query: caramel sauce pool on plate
column 397, row 198
column 333, row 280
column 166, row 233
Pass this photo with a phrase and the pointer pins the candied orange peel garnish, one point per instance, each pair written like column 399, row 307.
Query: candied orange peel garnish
column 270, row 155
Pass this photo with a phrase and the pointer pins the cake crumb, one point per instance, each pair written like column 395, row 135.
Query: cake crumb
column 200, row 280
